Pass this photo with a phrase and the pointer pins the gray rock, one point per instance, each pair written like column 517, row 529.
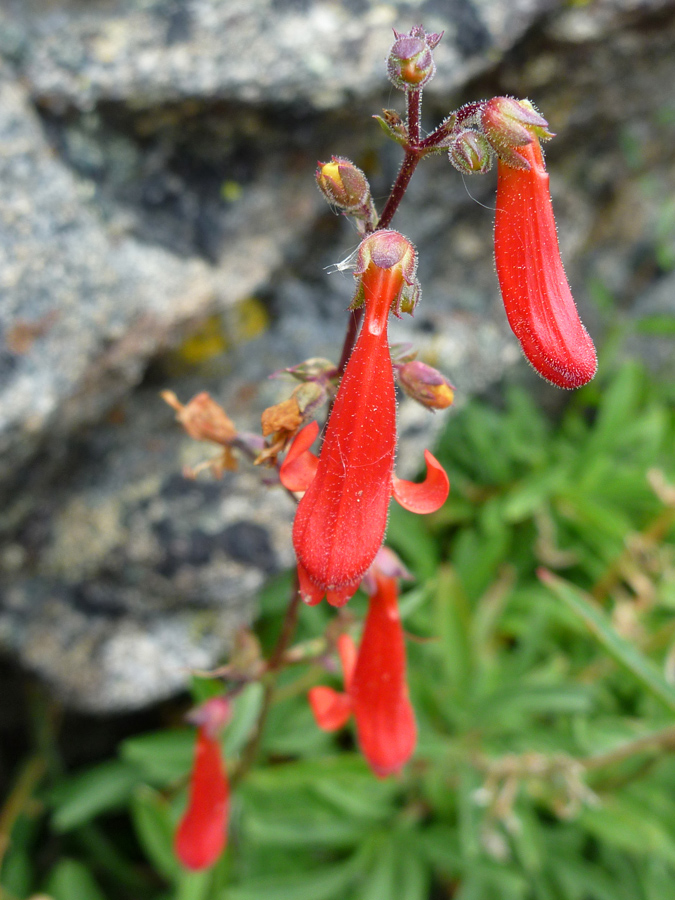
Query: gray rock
column 156, row 160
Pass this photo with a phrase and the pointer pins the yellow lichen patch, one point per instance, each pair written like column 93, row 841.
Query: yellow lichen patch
column 209, row 340
column 249, row 319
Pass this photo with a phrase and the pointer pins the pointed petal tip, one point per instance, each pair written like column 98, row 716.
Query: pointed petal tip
column 298, row 469
column 427, row 496
column 331, row 708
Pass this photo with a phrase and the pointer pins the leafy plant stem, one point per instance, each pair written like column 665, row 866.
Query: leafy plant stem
column 275, row 664
column 19, row 798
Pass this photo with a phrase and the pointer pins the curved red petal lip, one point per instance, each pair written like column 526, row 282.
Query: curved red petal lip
column 298, row 469
column 537, row 297
column 427, row 496
column 331, row 709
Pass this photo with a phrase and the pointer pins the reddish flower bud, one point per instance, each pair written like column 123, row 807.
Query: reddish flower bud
column 202, row 832
column 469, row 152
column 315, row 369
column 343, row 184
column 510, row 124
column 536, row 294
column 410, row 64
column 385, row 721
column 426, row 385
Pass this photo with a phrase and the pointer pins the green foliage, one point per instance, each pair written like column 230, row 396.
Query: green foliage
column 545, row 705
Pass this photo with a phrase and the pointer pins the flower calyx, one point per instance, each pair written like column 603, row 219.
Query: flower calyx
column 470, row 153
column 387, row 250
column 509, row 125
column 410, row 64
column 425, row 384
column 346, row 187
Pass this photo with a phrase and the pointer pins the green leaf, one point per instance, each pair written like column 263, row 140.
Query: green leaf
column 163, row 756
column 319, row 884
column 621, row 650
column 71, row 880
column 195, row 886
column 245, row 714
column 381, row 881
column 658, row 324
column 409, row 536
column 84, row 796
column 452, row 623
column 630, row 826
column 155, row 829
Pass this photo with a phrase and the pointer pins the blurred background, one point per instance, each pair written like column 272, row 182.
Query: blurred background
column 160, row 229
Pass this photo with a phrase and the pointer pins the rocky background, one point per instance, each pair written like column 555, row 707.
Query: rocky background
column 160, row 229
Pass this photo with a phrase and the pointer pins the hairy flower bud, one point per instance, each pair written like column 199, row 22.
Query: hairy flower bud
column 343, row 184
column 315, row 369
column 410, row 64
column 470, row 153
column 426, row 385
column 509, row 124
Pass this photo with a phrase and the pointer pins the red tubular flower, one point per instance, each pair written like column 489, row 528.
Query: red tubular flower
column 202, row 832
column 375, row 684
column 537, row 297
column 385, row 721
column 341, row 519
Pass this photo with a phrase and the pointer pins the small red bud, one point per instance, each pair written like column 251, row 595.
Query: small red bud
column 410, row 64
column 343, row 184
column 426, row 385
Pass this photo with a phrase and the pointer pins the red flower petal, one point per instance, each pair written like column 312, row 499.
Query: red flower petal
column 310, row 593
column 340, row 522
column 202, row 832
column 331, row 709
column 536, row 294
column 426, row 496
column 299, row 467
column 385, row 720
column 348, row 653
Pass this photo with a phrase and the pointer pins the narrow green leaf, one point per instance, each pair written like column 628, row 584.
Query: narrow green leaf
column 621, row 650
column 381, row 881
column 162, row 756
column 71, row 880
column 453, row 625
column 246, row 709
column 154, row 828
column 100, row 789
column 320, row 884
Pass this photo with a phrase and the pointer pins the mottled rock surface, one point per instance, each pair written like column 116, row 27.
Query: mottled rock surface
column 159, row 228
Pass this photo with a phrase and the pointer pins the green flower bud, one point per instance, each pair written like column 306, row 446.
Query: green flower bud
column 470, row 152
